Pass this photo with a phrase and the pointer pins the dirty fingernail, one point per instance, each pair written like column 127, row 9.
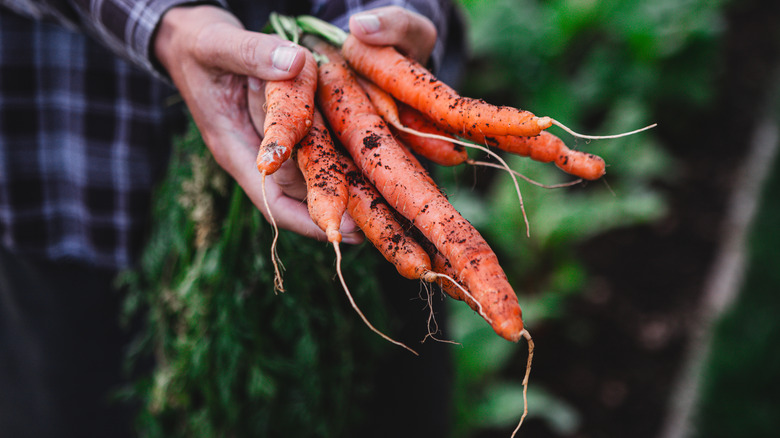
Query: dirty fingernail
column 284, row 56
column 368, row 22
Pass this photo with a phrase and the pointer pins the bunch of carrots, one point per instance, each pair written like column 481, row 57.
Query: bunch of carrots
column 384, row 110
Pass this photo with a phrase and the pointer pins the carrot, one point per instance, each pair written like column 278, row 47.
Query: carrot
column 456, row 291
column 411, row 127
column 415, row 162
column 439, row 151
column 289, row 112
column 322, row 166
column 378, row 222
column 356, row 124
column 412, row 84
column 326, row 186
column 289, row 106
column 546, row 148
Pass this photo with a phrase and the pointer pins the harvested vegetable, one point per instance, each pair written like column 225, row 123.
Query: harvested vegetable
column 364, row 134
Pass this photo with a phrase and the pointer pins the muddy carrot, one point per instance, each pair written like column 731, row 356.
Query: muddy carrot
column 289, row 112
column 328, row 196
column 546, row 148
column 364, row 134
column 411, row 83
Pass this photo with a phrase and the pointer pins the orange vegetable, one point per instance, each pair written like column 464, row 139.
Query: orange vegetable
column 412, row 84
column 327, row 193
column 323, row 166
column 545, row 148
column 364, row 134
column 441, row 152
column 379, row 224
column 411, row 127
column 289, row 112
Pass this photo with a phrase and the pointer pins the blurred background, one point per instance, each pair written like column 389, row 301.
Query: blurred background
column 652, row 294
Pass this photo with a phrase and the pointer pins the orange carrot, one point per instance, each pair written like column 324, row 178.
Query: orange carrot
column 322, row 166
column 415, row 162
column 384, row 103
column 441, row 152
column 289, row 112
column 408, row 124
column 326, row 186
column 545, row 148
column 377, row 220
column 412, row 84
column 355, row 122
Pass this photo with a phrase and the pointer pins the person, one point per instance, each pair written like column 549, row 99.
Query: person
column 85, row 125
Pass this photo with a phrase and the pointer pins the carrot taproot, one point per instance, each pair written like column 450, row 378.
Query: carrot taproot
column 289, row 106
column 413, row 84
column 415, row 162
column 322, row 166
column 546, row 148
column 421, row 135
column 439, row 151
column 326, row 186
column 376, row 219
column 364, row 134
column 289, row 112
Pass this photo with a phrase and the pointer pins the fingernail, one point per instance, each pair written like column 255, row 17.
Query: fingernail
column 254, row 83
column 284, row 56
column 368, row 22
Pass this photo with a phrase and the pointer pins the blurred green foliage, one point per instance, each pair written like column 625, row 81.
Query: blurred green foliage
column 741, row 383
column 600, row 67
column 234, row 358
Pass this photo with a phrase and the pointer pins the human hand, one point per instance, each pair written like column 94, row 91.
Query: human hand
column 412, row 34
column 220, row 68
column 209, row 56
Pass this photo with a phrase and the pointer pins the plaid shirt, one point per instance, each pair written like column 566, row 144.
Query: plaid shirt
column 84, row 126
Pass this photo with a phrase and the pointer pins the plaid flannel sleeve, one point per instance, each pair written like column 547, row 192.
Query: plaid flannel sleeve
column 124, row 26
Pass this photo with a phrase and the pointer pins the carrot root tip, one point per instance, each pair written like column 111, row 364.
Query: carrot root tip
column 333, row 235
column 530, row 342
column 355, row 307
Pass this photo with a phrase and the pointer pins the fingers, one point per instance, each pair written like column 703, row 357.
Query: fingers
column 409, row 32
column 350, row 233
column 250, row 53
column 293, row 215
column 216, row 40
column 290, row 179
column 256, row 103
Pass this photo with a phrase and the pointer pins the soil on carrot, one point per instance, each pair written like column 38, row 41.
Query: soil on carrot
column 616, row 355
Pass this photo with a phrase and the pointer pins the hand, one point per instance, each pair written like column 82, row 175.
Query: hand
column 411, row 33
column 209, row 56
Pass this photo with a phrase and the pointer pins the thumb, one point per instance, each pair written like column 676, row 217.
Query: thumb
column 254, row 54
column 217, row 40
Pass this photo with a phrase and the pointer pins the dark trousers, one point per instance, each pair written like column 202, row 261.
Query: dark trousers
column 61, row 351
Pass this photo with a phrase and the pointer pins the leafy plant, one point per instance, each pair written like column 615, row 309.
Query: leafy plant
column 232, row 357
